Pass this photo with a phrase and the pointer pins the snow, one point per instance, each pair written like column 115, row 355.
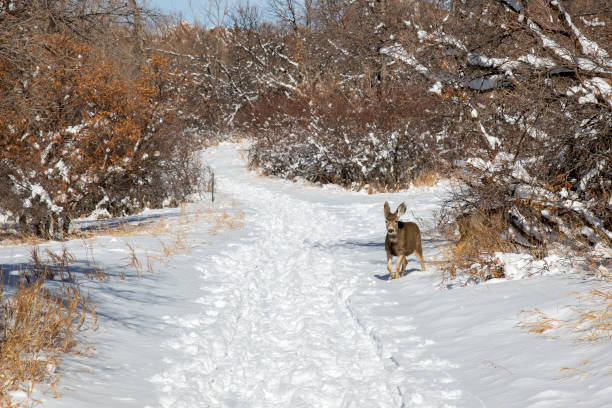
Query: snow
column 398, row 52
column 601, row 87
column 588, row 47
column 436, row 88
column 592, row 173
column 39, row 193
column 295, row 309
column 505, row 160
column 595, row 22
column 493, row 141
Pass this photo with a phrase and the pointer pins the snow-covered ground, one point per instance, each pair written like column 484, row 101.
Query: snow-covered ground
column 295, row 309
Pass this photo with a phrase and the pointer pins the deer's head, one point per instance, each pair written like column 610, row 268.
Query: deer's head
column 392, row 218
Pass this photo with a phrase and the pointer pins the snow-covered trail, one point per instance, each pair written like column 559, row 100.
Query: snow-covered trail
column 295, row 309
column 278, row 330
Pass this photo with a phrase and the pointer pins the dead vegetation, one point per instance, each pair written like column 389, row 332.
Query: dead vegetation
column 91, row 120
column 39, row 324
column 474, row 252
column 171, row 235
column 225, row 221
column 595, row 315
column 536, row 177
column 590, row 321
column 535, row 321
column 499, row 214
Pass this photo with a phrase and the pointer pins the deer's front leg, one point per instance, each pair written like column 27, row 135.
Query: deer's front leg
column 389, row 259
column 399, row 264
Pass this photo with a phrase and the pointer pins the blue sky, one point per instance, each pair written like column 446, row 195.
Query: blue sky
column 189, row 9
column 192, row 10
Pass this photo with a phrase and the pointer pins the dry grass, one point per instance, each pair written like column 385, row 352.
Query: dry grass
column 172, row 243
column 143, row 227
column 427, row 179
column 595, row 315
column 134, row 261
column 474, row 253
column 579, row 372
column 225, row 221
column 126, row 229
column 171, row 234
column 118, row 228
column 58, row 265
column 591, row 321
column 178, row 244
column 162, row 226
column 173, row 240
column 53, row 265
column 535, row 321
column 37, row 327
column 38, row 324
column 94, row 272
column 9, row 239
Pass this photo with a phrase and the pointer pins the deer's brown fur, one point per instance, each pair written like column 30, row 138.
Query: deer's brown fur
column 403, row 239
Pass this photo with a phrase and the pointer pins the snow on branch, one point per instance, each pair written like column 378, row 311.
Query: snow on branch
column 492, row 141
column 592, row 173
column 174, row 54
column 503, row 64
column 588, row 216
column 599, row 87
column 396, row 51
column 514, row 5
column 286, row 58
column 550, row 200
column 589, row 47
column 585, row 64
column 524, row 225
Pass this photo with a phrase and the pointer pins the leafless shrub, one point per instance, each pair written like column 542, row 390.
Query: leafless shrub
column 534, row 97
column 346, row 139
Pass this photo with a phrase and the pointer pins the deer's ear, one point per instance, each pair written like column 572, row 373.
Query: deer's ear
column 401, row 209
column 387, row 209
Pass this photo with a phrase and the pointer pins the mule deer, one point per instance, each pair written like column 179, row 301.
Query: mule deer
column 403, row 238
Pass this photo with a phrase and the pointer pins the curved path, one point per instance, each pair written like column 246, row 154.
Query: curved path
column 277, row 327
column 295, row 310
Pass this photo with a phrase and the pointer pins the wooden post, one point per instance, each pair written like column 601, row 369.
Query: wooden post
column 213, row 187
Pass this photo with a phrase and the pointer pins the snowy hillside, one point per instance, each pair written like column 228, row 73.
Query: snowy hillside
column 277, row 296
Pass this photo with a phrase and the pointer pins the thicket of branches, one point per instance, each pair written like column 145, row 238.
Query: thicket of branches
column 514, row 96
column 88, row 120
column 536, row 86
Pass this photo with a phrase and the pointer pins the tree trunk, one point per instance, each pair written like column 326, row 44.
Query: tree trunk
column 137, row 36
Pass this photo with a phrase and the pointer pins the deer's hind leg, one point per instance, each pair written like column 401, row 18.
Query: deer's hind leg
column 403, row 267
column 419, row 254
